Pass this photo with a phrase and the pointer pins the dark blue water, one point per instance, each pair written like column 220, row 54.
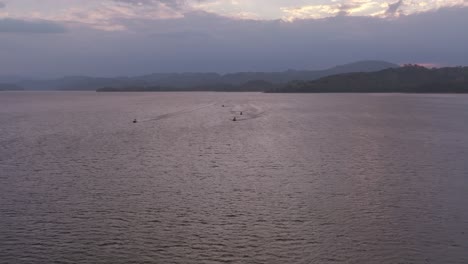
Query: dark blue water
column 297, row 179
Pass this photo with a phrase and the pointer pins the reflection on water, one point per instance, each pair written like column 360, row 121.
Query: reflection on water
column 303, row 179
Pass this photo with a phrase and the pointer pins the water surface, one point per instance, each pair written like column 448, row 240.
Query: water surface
column 327, row 178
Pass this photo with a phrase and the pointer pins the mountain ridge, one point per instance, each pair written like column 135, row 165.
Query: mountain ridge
column 407, row 79
column 194, row 79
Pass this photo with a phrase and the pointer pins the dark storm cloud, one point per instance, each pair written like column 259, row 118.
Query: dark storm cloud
column 8, row 25
column 393, row 8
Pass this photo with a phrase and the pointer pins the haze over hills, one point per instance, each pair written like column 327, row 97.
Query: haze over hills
column 363, row 76
column 197, row 81
column 9, row 87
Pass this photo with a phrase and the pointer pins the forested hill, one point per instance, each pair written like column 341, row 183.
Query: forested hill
column 407, row 79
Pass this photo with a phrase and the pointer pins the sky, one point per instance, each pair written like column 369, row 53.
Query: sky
column 133, row 37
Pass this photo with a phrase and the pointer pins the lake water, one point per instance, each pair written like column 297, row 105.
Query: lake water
column 301, row 178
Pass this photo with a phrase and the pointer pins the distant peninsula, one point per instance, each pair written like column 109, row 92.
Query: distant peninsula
column 250, row 86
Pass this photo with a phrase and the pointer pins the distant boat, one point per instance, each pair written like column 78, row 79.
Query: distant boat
column 135, row 121
column 234, row 119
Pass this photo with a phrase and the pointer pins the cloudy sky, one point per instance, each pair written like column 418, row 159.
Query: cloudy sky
column 131, row 37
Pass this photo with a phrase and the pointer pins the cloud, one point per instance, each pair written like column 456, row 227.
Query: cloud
column 335, row 8
column 393, row 8
column 381, row 8
column 110, row 16
column 204, row 42
column 349, row 6
column 114, row 15
column 9, row 25
column 2, row 5
column 174, row 4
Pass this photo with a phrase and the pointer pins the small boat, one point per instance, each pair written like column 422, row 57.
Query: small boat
column 134, row 121
column 234, row 119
